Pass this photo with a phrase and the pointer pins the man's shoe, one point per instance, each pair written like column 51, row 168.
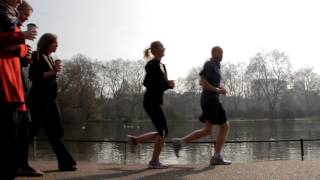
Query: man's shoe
column 68, row 168
column 219, row 161
column 177, row 146
column 29, row 172
column 157, row 165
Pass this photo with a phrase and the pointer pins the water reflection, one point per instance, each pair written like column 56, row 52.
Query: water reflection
column 193, row 153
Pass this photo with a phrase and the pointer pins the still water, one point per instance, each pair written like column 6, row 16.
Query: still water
column 241, row 130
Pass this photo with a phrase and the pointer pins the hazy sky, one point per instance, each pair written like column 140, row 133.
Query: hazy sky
column 109, row 29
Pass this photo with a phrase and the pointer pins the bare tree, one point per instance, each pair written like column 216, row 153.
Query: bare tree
column 121, row 83
column 307, row 85
column 114, row 72
column 134, row 77
column 269, row 73
column 193, row 89
column 180, row 86
column 102, row 70
column 191, row 82
column 79, row 85
column 233, row 77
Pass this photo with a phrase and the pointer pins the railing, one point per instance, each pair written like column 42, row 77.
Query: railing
column 301, row 141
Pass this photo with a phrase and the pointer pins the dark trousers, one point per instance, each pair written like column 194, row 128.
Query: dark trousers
column 22, row 136
column 154, row 110
column 8, row 147
column 47, row 115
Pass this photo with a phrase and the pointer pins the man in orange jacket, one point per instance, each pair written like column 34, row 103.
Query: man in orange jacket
column 11, row 86
column 22, row 117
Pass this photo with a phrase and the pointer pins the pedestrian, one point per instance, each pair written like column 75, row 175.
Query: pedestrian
column 44, row 109
column 213, row 112
column 11, row 85
column 156, row 83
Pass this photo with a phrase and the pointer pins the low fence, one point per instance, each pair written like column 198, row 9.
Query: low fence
column 300, row 141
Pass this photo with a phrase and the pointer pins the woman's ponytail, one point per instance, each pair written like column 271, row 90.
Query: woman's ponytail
column 146, row 53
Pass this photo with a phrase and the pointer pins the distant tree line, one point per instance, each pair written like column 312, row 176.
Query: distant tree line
column 266, row 87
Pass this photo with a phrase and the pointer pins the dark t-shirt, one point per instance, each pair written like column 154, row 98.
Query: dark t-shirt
column 211, row 72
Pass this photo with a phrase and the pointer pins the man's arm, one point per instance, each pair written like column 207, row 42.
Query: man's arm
column 11, row 38
column 207, row 86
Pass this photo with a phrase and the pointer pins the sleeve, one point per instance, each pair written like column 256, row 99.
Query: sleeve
column 6, row 24
column 155, row 78
column 11, row 38
column 206, row 71
column 24, row 50
column 36, row 71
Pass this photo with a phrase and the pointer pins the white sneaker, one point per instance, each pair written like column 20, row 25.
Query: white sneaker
column 157, row 165
column 133, row 143
column 177, row 146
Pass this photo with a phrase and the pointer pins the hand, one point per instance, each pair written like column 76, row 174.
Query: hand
column 31, row 35
column 222, row 91
column 53, row 72
column 171, row 84
column 57, row 67
column 29, row 49
column 29, row 55
column 50, row 73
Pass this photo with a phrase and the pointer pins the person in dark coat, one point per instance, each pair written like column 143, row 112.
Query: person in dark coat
column 43, row 106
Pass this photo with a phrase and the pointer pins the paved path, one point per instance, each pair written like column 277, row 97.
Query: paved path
column 277, row 170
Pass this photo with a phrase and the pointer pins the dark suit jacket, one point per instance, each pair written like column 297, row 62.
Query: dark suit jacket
column 43, row 90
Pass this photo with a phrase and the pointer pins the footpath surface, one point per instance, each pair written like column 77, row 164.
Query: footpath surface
column 265, row 170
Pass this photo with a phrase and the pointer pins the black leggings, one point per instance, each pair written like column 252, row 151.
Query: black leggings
column 157, row 116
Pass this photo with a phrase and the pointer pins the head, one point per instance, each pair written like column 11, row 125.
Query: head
column 13, row 3
column 25, row 11
column 156, row 49
column 217, row 53
column 48, row 43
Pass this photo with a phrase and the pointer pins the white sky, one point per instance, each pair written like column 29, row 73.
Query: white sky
column 109, row 29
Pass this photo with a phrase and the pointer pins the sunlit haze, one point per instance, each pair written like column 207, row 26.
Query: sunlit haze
column 110, row 29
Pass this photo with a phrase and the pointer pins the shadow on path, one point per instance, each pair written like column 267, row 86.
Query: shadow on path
column 120, row 173
column 177, row 173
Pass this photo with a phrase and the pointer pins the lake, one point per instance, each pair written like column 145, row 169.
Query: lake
column 241, row 130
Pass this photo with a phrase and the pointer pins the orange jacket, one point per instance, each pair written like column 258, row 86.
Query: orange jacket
column 11, row 38
column 11, row 85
